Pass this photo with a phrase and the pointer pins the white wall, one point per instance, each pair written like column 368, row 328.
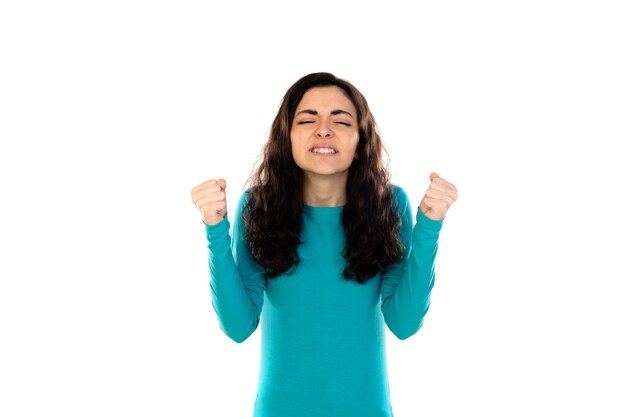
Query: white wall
column 111, row 112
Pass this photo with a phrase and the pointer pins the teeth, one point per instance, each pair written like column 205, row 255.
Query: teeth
column 323, row 150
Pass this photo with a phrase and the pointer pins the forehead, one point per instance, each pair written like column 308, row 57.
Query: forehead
column 330, row 96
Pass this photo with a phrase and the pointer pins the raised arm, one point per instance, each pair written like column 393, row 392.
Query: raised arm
column 407, row 285
column 237, row 281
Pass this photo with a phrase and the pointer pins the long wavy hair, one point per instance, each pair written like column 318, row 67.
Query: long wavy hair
column 273, row 213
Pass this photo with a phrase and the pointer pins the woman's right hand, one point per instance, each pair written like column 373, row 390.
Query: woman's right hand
column 210, row 198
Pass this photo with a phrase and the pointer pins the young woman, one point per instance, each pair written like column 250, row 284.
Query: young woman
column 325, row 252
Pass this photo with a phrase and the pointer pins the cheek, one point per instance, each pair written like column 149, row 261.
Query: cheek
column 297, row 152
column 296, row 148
column 355, row 144
column 293, row 140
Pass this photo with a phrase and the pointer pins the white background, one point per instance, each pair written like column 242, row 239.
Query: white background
column 110, row 112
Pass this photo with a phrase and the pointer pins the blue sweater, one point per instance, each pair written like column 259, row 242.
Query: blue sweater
column 322, row 336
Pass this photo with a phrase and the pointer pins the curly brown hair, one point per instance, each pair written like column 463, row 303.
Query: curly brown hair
column 273, row 213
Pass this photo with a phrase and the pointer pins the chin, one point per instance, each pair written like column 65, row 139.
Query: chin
column 325, row 173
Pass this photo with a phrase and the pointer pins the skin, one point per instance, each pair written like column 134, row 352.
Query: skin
column 325, row 117
column 438, row 198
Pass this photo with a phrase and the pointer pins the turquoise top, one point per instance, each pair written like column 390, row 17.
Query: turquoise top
column 322, row 336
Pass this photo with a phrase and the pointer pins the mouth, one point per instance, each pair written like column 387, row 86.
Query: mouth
column 324, row 150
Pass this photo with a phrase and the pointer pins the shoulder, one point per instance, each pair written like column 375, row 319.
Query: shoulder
column 241, row 210
column 400, row 196
column 401, row 202
column 245, row 197
column 242, row 202
column 398, row 191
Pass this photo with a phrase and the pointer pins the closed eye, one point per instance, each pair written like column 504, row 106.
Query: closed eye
column 302, row 122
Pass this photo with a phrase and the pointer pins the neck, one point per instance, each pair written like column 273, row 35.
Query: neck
column 324, row 191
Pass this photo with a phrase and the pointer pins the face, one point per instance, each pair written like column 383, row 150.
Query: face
column 325, row 133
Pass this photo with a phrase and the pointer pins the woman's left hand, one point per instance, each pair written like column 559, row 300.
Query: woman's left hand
column 438, row 198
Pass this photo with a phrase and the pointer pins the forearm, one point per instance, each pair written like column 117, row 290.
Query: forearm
column 238, row 317
column 406, row 309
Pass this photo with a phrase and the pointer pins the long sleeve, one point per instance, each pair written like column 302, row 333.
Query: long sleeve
column 406, row 286
column 237, row 281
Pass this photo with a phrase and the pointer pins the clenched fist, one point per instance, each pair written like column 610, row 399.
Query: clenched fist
column 210, row 198
column 438, row 198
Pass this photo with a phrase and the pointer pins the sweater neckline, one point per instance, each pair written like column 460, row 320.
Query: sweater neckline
column 323, row 210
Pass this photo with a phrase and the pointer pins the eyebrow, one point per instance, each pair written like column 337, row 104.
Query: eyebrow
column 333, row 113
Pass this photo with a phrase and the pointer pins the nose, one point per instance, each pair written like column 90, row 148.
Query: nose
column 323, row 130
